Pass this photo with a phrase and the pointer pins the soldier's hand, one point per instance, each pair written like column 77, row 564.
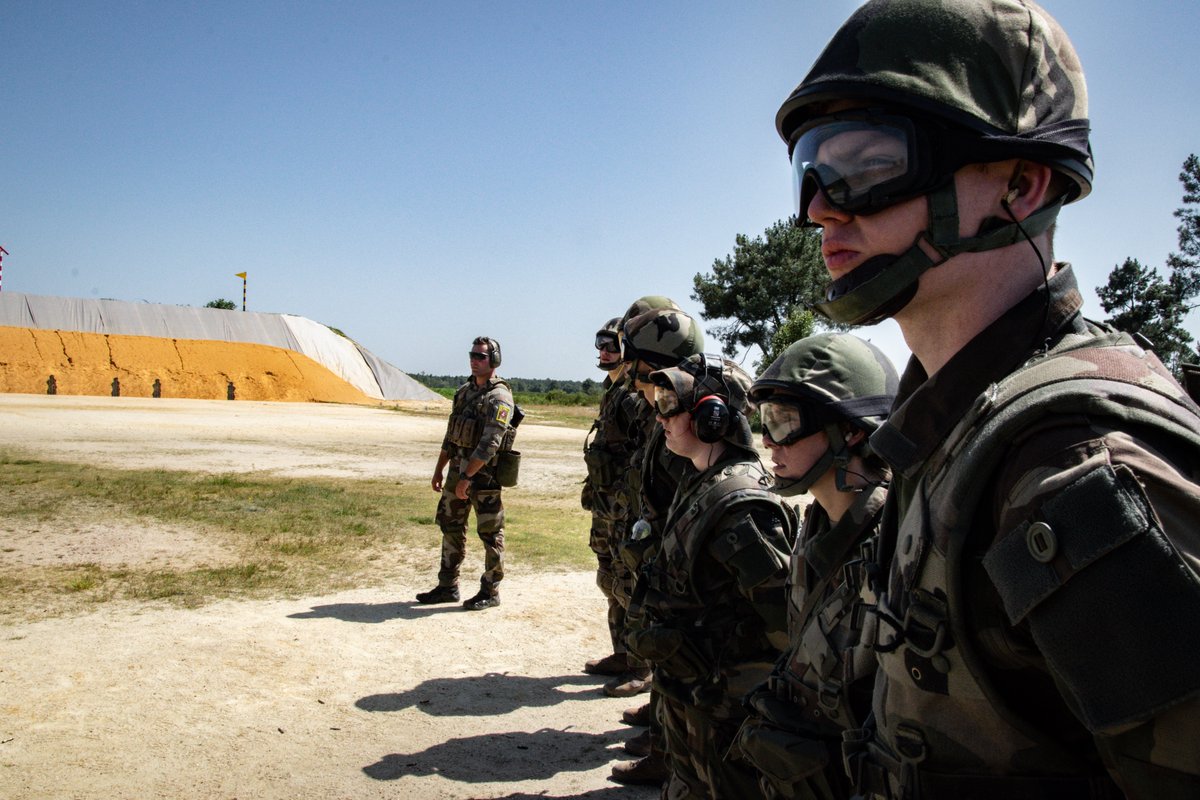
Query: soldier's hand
column 436, row 483
column 460, row 488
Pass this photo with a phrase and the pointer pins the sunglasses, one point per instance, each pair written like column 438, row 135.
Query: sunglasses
column 866, row 160
column 667, row 403
column 478, row 356
column 786, row 422
column 607, row 343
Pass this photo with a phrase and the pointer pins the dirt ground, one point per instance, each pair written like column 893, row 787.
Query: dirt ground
column 359, row 694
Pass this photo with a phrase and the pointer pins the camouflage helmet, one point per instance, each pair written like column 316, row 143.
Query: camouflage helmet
column 661, row 337
column 704, row 375
column 849, row 380
column 647, row 303
column 993, row 79
column 1002, row 69
column 847, row 377
column 610, row 330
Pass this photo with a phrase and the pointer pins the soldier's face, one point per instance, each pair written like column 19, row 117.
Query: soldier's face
column 680, row 440
column 643, row 386
column 480, row 366
column 610, row 360
column 797, row 458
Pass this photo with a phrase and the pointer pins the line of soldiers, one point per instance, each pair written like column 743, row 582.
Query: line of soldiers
column 995, row 591
column 694, row 540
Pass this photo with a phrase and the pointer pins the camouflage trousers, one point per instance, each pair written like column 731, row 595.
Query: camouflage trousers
column 608, row 524
column 696, row 739
column 452, row 515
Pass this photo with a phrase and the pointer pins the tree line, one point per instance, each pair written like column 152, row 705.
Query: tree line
column 549, row 391
column 762, row 293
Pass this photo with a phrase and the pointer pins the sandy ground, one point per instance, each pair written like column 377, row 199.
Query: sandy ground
column 360, row 694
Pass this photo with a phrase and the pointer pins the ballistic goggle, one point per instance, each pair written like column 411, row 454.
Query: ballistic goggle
column 866, row 160
column 607, row 342
column 786, row 421
column 667, row 402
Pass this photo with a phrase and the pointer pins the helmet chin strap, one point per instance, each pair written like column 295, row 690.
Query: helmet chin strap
column 836, row 454
column 882, row 285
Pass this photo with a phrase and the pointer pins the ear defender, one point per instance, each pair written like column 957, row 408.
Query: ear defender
column 711, row 416
column 493, row 353
column 710, row 419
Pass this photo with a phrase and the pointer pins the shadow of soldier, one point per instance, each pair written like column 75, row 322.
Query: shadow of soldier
column 493, row 693
column 492, row 757
column 372, row 613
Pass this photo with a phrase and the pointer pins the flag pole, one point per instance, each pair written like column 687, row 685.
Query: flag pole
column 3, row 253
column 242, row 275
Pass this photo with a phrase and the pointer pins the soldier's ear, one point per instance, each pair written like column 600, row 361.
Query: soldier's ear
column 1029, row 189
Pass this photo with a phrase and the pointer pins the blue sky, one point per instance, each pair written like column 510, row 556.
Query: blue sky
column 416, row 174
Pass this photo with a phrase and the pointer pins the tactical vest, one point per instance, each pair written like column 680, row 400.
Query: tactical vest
column 607, row 453
column 468, row 414
column 825, row 658
column 671, row 578
column 943, row 727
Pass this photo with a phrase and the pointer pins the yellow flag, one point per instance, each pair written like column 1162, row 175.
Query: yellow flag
column 241, row 275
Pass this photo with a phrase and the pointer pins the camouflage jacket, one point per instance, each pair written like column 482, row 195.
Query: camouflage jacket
column 615, row 437
column 714, row 594
column 1040, row 549
column 822, row 683
column 825, row 662
column 479, row 420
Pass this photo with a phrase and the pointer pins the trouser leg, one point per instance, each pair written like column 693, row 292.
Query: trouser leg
column 489, row 518
column 452, row 520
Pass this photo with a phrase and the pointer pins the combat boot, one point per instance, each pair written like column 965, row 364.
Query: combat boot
column 438, row 594
column 639, row 745
column 638, row 715
column 614, row 664
column 648, row 771
column 627, row 684
column 481, row 601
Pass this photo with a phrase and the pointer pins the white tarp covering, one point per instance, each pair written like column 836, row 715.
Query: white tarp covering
column 346, row 359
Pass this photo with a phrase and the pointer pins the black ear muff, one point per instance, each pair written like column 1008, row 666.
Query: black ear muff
column 493, row 353
column 711, row 419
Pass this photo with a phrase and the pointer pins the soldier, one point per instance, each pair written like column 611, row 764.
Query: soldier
column 1039, row 594
column 712, row 599
column 479, row 420
column 819, row 401
column 607, row 457
column 655, row 334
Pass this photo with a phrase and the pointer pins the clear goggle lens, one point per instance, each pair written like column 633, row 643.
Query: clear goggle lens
column 607, row 343
column 862, row 162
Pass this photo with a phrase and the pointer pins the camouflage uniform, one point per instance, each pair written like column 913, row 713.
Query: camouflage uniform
column 822, row 684
column 479, row 420
column 1044, row 565
column 606, row 495
column 1039, row 554
column 654, row 334
column 714, row 622
column 712, row 598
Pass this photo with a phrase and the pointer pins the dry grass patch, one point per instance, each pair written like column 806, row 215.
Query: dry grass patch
column 77, row 535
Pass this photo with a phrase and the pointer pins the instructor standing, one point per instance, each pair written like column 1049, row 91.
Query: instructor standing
column 481, row 416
